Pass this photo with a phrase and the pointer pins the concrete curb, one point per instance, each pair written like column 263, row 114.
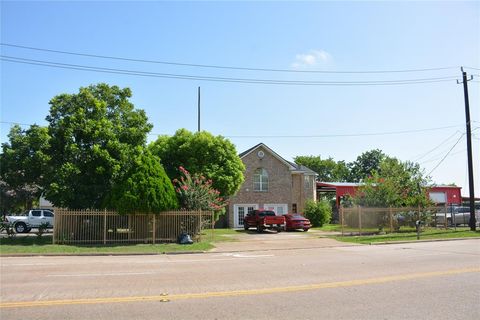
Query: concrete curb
column 421, row 240
column 106, row 254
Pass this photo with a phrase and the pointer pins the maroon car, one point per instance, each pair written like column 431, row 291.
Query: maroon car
column 296, row 221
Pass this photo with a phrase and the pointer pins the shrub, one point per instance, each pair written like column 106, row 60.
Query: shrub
column 146, row 188
column 319, row 212
column 195, row 192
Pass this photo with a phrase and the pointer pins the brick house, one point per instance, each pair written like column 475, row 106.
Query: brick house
column 271, row 182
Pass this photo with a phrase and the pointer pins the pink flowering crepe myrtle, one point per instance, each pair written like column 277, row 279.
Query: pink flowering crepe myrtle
column 195, row 192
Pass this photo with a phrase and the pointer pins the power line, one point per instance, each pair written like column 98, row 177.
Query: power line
column 417, row 158
column 221, row 79
column 16, row 123
column 219, row 66
column 345, row 135
column 438, row 164
column 309, row 136
column 452, row 154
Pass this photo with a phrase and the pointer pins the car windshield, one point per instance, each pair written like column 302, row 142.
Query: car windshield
column 297, row 216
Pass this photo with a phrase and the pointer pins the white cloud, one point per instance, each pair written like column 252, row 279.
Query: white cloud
column 311, row 59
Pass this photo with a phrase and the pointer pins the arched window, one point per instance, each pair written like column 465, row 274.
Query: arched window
column 260, row 180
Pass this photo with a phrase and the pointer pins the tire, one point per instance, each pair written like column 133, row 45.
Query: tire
column 305, row 230
column 21, row 227
column 279, row 229
column 245, row 227
column 259, row 229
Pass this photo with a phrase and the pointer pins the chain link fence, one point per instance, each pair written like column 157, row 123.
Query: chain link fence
column 364, row 220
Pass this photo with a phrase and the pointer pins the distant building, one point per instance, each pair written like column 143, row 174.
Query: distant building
column 440, row 195
column 44, row 203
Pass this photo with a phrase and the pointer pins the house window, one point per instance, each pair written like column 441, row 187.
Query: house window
column 260, row 180
column 294, row 208
column 308, row 183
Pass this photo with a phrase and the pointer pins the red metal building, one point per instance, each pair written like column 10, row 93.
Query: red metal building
column 449, row 195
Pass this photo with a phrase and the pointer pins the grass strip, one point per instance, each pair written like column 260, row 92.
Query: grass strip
column 31, row 244
column 409, row 236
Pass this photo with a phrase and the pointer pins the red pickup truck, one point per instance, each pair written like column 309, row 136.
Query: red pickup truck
column 264, row 219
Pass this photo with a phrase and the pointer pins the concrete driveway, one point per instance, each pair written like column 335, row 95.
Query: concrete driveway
column 271, row 240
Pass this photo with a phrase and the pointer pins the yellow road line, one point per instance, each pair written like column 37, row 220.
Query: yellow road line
column 349, row 283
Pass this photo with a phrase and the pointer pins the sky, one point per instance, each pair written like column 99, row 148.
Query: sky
column 355, row 104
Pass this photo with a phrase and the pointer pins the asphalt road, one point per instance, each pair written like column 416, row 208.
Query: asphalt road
column 431, row 280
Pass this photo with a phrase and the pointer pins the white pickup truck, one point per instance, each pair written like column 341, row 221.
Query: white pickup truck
column 32, row 219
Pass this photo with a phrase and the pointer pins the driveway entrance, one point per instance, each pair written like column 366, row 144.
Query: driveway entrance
column 271, row 240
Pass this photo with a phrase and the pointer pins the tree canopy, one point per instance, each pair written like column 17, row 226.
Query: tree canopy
column 365, row 165
column 23, row 163
column 94, row 136
column 214, row 157
column 328, row 170
column 145, row 188
column 396, row 184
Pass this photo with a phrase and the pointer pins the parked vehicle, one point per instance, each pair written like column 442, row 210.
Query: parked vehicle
column 296, row 221
column 461, row 216
column 264, row 219
column 32, row 219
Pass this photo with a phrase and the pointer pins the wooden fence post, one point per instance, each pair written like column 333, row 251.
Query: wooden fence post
column 391, row 219
column 212, row 215
column 200, row 231
column 154, row 228
column 105, row 226
column 341, row 218
column 55, row 227
column 359, row 220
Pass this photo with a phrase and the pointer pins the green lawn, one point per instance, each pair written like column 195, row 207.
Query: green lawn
column 43, row 245
column 409, row 236
column 338, row 228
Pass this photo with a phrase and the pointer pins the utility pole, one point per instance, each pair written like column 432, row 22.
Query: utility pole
column 198, row 109
column 472, row 220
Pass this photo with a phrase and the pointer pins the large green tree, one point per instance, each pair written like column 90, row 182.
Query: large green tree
column 396, row 184
column 201, row 153
column 95, row 135
column 23, row 163
column 328, row 169
column 144, row 188
column 365, row 165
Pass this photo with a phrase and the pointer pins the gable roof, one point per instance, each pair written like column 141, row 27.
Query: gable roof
column 295, row 168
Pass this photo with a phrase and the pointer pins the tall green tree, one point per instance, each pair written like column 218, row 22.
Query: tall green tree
column 201, row 153
column 23, row 163
column 145, row 188
column 396, row 184
column 365, row 165
column 95, row 134
column 328, row 169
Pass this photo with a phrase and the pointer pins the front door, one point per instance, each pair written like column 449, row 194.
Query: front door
column 240, row 211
